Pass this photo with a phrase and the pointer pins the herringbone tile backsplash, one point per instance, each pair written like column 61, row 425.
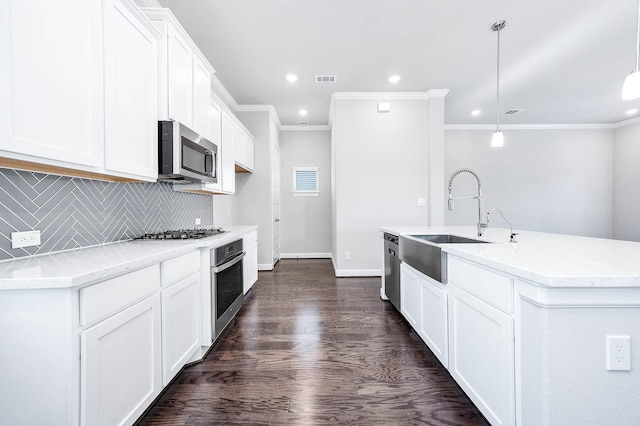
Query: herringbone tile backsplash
column 73, row 212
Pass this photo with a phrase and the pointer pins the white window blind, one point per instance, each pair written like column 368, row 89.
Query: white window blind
column 305, row 181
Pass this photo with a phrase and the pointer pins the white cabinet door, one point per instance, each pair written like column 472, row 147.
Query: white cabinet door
column 238, row 144
column 410, row 295
column 201, row 96
column 51, row 82
column 481, row 355
column 121, row 365
column 248, row 152
column 228, row 174
column 215, row 122
column 250, row 261
column 131, row 92
column 180, row 325
column 433, row 318
column 180, row 75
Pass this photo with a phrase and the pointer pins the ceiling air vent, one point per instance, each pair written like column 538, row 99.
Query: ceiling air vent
column 303, row 123
column 513, row 111
column 325, row 78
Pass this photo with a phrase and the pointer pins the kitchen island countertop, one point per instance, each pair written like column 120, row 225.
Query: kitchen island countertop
column 552, row 260
column 85, row 266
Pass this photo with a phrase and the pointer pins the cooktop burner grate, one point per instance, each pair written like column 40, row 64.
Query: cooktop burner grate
column 182, row 234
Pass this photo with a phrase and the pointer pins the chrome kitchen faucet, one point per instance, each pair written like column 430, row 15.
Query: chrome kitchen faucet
column 481, row 225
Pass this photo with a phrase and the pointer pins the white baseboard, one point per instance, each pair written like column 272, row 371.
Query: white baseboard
column 265, row 267
column 382, row 295
column 358, row 272
column 305, row 256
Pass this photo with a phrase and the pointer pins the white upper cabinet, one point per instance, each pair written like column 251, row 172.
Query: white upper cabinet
column 184, row 73
column 244, row 149
column 51, row 82
column 79, row 88
column 131, row 92
column 201, row 97
column 228, row 172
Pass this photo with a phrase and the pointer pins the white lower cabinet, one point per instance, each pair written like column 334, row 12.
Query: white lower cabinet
column 121, row 365
column 180, row 325
column 410, row 295
column 424, row 305
column 481, row 355
column 250, row 261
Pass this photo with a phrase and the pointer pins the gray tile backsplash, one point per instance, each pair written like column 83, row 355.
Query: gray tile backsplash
column 74, row 212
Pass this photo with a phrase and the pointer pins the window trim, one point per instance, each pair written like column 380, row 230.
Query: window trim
column 305, row 193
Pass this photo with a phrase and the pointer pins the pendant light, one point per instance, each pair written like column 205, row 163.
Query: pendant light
column 631, row 86
column 497, row 140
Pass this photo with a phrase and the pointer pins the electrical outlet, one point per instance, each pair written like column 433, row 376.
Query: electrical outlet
column 198, row 221
column 25, row 239
column 347, row 255
column 619, row 353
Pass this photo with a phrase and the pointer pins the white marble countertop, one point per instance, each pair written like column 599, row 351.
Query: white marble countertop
column 85, row 266
column 550, row 259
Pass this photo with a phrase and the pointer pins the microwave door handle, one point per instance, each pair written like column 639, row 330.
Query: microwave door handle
column 208, row 162
column 229, row 264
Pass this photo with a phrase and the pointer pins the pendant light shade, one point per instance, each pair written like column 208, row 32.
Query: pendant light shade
column 631, row 86
column 497, row 140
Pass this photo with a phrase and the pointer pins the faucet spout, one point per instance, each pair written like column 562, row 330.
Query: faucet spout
column 512, row 237
column 482, row 225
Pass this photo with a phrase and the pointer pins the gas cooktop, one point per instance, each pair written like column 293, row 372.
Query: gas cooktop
column 182, row 234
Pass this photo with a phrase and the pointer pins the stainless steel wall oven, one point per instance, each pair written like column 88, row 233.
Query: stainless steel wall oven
column 226, row 285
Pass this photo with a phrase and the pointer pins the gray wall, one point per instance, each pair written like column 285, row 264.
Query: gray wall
column 305, row 221
column 73, row 212
column 557, row 181
column 381, row 167
column 254, row 192
column 225, row 210
column 626, row 218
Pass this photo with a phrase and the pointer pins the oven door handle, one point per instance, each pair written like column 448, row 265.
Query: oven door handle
column 237, row 258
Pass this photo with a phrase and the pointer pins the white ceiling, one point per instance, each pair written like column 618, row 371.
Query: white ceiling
column 564, row 61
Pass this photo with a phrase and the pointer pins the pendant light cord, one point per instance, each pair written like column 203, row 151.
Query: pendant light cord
column 498, row 81
column 638, row 40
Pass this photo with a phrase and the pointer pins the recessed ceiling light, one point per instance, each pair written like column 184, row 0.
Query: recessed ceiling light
column 476, row 112
column 632, row 111
column 394, row 79
column 302, row 112
column 292, row 77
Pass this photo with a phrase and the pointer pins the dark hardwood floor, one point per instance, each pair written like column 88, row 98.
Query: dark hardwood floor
column 309, row 348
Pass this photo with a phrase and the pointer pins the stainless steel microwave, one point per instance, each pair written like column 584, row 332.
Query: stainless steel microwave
column 184, row 156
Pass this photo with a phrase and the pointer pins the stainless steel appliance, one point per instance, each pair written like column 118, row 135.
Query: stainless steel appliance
column 226, row 285
column 182, row 234
column 184, row 156
column 392, row 269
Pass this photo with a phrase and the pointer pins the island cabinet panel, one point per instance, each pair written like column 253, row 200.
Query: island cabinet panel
column 121, row 365
column 410, row 295
column 481, row 355
column 433, row 318
column 250, row 261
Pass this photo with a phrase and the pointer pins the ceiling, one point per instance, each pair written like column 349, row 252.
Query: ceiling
column 561, row 61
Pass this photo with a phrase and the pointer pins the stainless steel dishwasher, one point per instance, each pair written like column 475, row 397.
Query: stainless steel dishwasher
column 392, row 269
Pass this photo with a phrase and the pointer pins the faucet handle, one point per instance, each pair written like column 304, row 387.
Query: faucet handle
column 512, row 238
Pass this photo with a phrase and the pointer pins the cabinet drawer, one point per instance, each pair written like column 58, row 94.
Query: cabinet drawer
column 491, row 287
column 179, row 268
column 107, row 297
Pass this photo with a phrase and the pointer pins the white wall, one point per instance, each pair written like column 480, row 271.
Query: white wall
column 224, row 210
column 626, row 197
column 305, row 221
column 557, row 181
column 381, row 167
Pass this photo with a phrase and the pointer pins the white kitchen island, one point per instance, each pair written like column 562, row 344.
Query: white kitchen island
column 523, row 327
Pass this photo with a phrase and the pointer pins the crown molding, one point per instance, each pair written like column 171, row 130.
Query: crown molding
column 223, row 93
column 305, row 128
column 625, row 123
column 570, row 126
column 437, row 93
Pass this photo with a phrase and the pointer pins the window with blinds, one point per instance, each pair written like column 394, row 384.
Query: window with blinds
column 305, row 181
